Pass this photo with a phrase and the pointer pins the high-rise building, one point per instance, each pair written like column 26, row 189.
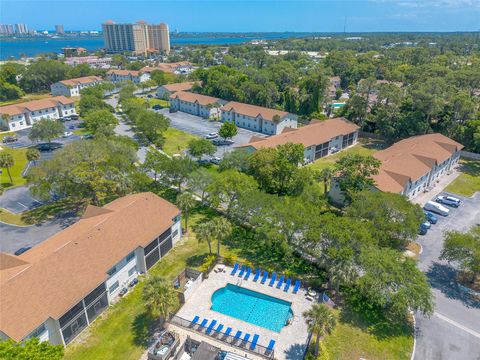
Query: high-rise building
column 6, row 29
column 59, row 29
column 139, row 38
column 21, row 29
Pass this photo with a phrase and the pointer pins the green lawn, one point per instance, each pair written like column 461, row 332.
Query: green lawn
column 176, row 141
column 155, row 101
column 355, row 338
column 469, row 180
column 20, row 161
column 364, row 147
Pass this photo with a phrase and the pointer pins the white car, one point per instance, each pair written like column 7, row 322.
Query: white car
column 211, row 136
column 215, row 160
column 436, row 208
column 66, row 134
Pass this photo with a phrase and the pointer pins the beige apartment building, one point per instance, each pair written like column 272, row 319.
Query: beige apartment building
column 139, row 38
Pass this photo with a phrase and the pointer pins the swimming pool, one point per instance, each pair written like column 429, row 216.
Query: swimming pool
column 251, row 306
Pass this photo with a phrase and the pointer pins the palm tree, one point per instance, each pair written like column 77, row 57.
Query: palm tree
column 204, row 232
column 33, row 155
column 320, row 320
column 7, row 161
column 222, row 229
column 186, row 202
column 326, row 176
column 159, row 297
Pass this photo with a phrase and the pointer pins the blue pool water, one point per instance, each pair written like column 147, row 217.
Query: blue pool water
column 253, row 307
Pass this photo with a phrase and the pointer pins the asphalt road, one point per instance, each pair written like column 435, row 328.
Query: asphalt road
column 453, row 332
column 18, row 199
column 199, row 126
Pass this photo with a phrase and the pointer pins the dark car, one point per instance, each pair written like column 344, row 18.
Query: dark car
column 423, row 229
column 123, row 291
column 49, row 146
column 432, row 219
column 149, row 96
column 156, row 107
column 22, row 250
column 9, row 139
column 72, row 127
column 133, row 282
column 73, row 117
column 220, row 142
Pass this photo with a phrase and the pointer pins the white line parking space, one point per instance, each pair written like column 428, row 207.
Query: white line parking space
column 459, row 326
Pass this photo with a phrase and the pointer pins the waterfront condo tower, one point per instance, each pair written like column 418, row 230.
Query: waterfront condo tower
column 139, row 38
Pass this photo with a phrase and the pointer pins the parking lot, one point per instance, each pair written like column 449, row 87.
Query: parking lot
column 453, row 332
column 18, row 200
column 201, row 127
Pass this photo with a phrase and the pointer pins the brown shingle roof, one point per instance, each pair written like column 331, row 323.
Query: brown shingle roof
column 253, row 110
column 124, row 72
column 67, row 266
column 17, row 109
column 412, row 158
column 166, row 67
column 317, row 132
column 183, row 86
column 192, row 97
column 81, row 80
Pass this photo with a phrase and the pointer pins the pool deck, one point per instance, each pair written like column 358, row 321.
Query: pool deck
column 290, row 341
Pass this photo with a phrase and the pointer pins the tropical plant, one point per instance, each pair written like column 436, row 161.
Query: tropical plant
column 204, row 232
column 7, row 161
column 33, row 155
column 326, row 176
column 31, row 348
column 321, row 321
column 159, row 297
column 186, row 203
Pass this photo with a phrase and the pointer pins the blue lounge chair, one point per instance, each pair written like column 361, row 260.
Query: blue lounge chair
column 219, row 328
column 254, row 342
column 228, row 332
column 235, row 268
column 264, row 278
column 287, row 285
column 246, row 338
column 242, row 270
column 237, row 335
column 296, row 287
column 257, row 275
column 204, row 323
column 272, row 280
column 195, row 320
column 271, row 344
column 247, row 275
column 280, row 282
column 210, row 327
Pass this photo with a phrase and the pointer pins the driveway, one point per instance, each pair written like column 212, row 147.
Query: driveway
column 199, row 126
column 14, row 237
column 18, row 199
column 453, row 331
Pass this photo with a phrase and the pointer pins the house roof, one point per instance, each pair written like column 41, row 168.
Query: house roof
column 183, row 86
column 81, row 80
column 166, row 67
column 53, row 276
column 410, row 159
column 124, row 72
column 317, row 132
column 192, row 97
column 253, row 110
column 17, row 109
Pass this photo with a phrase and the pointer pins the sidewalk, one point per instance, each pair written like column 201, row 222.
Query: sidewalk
column 441, row 184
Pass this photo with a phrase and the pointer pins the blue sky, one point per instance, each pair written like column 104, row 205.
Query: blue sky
column 256, row 15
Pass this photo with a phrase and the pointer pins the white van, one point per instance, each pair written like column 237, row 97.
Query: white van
column 436, row 208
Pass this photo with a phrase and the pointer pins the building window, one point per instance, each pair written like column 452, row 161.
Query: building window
column 112, row 271
column 132, row 271
column 38, row 331
column 113, row 287
column 130, row 256
column 175, row 233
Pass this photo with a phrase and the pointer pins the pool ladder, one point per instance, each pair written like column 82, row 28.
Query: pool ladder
column 239, row 282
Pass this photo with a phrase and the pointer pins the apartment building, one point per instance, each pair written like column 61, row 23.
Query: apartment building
column 24, row 115
column 139, row 38
column 59, row 287
column 72, row 87
column 258, row 118
column 195, row 104
column 180, row 67
column 92, row 61
column 164, row 91
column 412, row 166
column 320, row 138
column 127, row 75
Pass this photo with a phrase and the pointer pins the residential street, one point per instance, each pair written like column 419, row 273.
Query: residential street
column 453, row 332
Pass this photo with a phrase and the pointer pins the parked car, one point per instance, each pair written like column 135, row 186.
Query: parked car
column 22, row 250
column 133, row 282
column 448, row 200
column 72, row 127
column 9, row 139
column 220, row 142
column 67, row 134
column 49, row 146
column 74, row 117
column 436, row 208
column 203, row 161
column 156, row 107
column 426, row 224
column 87, row 136
column 149, row 96
column 211, row 136
column 123, row 291
column 430, row 217
column 63, row 119
column 215, row 160
column 423, row 229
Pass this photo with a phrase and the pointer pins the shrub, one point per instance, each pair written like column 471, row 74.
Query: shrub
column 230, row 260
column 208, row 263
